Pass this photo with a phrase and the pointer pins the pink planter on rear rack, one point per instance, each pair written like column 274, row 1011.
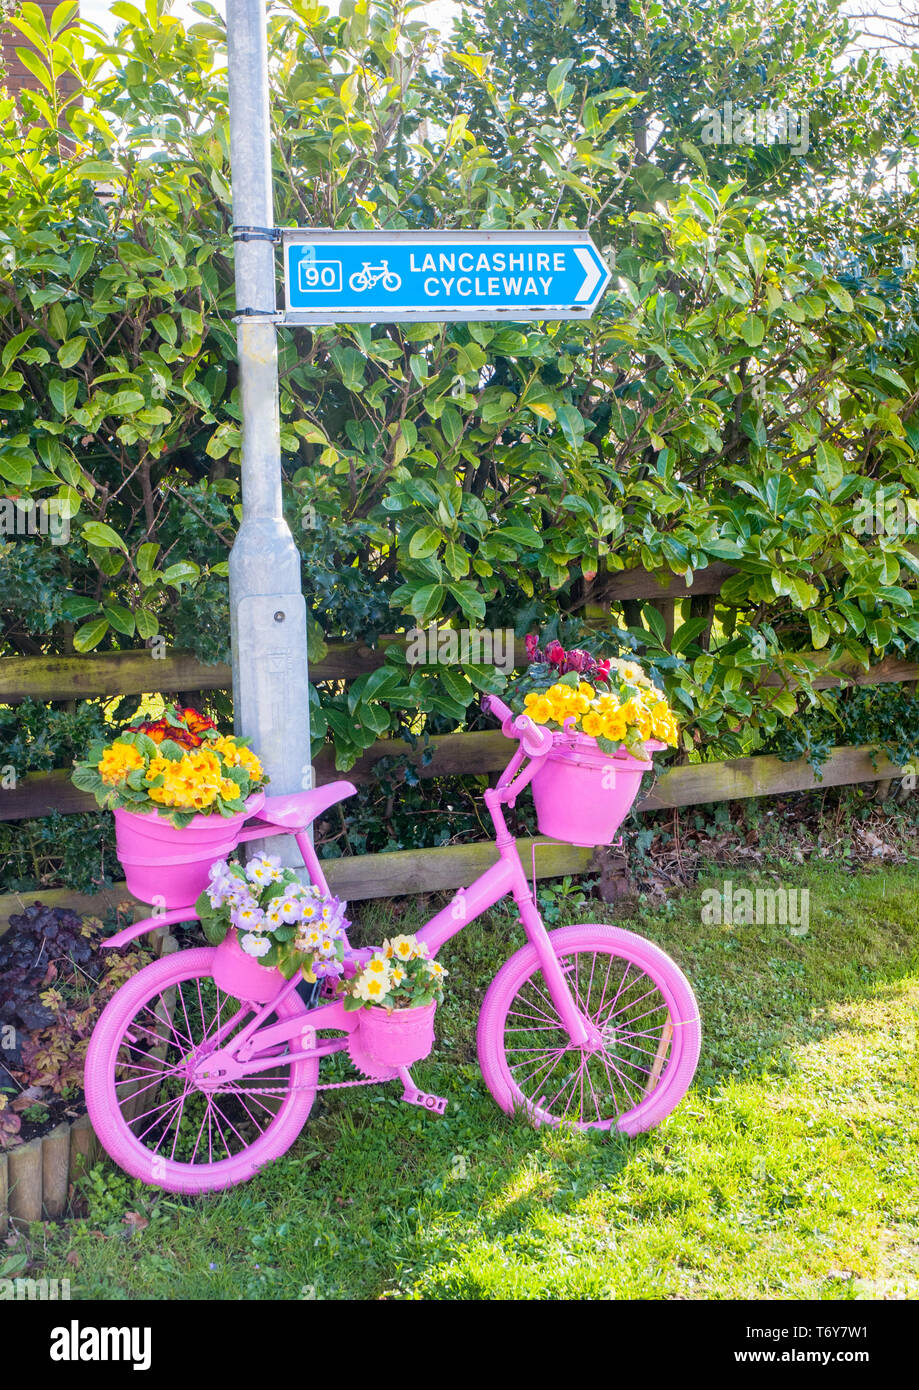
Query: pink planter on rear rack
column 163, row 863
column 399, row 1038
column 582, row 794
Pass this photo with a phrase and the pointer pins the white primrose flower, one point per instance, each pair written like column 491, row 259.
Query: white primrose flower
column 263, row 869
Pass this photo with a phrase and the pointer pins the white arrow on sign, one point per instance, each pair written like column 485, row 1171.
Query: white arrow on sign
column 592, row 273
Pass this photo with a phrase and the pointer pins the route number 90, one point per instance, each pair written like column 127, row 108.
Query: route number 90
column 319, row 276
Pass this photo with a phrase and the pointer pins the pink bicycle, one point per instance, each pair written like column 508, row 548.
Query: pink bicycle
column 205, row 1065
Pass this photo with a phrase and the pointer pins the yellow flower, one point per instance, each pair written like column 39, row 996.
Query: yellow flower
column 586, row 690
column 592, row 724
column 542, row 710
column 229, row 790
column 403, row 947
column 250, row 762
column 371, row 988
column 226, row 747
column 614, row 726
column 116, row 762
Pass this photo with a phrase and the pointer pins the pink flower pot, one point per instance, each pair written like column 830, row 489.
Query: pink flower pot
column 582, row 794
column 164, row 864
column 241, row 975
column 399, row 1038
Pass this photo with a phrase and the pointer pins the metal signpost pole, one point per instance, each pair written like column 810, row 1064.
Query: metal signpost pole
column 268, row 612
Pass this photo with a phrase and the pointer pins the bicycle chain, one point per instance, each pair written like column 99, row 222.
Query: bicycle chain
column 324, row 1086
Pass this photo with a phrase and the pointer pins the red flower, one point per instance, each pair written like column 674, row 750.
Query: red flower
column 192, row 719
column 555, row 654
column 577, row 660
column 531, row 642
column 160, row 729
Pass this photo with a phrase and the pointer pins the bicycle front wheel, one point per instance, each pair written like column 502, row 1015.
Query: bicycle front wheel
column 148, row 1113
column 644, row 1025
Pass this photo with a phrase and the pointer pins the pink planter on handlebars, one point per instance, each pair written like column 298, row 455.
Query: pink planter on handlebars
column 582, row 794
column 397, row 1038
column 165, row 864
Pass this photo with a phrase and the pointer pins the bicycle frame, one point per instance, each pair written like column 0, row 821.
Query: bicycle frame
column 246, row 1052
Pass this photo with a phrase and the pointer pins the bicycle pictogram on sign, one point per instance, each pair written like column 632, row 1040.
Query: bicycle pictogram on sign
column 371, row 275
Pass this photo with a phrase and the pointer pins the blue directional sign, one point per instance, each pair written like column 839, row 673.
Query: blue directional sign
column 367, row 277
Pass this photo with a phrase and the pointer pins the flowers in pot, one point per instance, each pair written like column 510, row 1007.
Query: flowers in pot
column 397, row 991
column 609, row 714
column 397, row 976
column 611, row 701
column 280, row 922
column 180, row 766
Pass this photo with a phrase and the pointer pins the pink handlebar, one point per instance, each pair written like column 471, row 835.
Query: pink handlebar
column 534, row 740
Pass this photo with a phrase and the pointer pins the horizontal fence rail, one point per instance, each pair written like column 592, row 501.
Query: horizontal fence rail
column 139, row 673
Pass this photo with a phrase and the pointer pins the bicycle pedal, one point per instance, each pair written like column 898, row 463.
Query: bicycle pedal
column 412, row 1096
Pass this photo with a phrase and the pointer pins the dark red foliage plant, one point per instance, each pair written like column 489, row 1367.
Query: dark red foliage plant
column 55, row 979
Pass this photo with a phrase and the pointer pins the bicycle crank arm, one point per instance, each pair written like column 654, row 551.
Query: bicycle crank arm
column 412, row 1096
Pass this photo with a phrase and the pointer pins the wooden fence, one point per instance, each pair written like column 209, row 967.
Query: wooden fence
column 50, row 678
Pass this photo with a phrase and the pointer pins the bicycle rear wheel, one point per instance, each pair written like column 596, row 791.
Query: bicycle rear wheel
column 150, row 1116
column 644, row 1021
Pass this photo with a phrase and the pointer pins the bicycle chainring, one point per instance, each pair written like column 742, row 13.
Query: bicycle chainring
column 366, row 1064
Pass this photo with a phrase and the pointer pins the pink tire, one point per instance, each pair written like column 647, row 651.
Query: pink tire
column 146, row 1114
column 645, row 1022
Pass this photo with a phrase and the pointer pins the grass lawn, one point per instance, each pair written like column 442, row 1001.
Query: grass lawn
column 790, row 1170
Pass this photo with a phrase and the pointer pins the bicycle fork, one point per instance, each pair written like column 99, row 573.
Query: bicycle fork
column 579, row 1031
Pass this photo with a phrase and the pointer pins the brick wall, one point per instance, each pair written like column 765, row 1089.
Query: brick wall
column 14, row 75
